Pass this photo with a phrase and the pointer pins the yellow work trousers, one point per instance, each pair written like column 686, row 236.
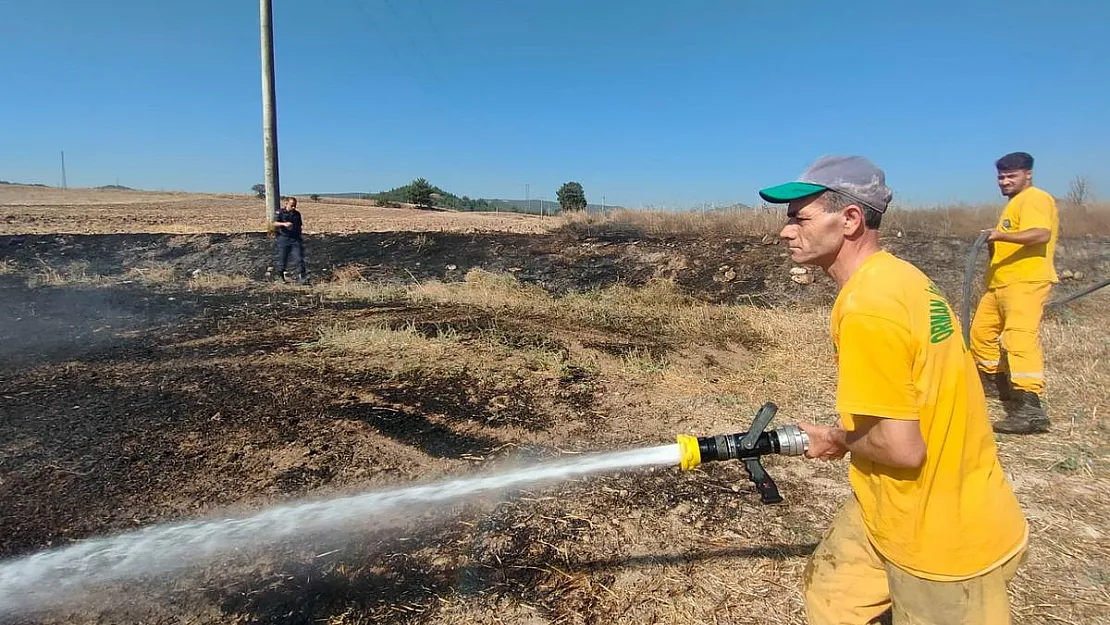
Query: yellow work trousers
column 1009, row 318
column 847, row 582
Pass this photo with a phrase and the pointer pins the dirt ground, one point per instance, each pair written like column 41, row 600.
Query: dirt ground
column 151, row 377
column 39, row 210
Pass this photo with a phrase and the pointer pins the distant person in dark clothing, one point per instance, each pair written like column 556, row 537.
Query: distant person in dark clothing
column 288, row 223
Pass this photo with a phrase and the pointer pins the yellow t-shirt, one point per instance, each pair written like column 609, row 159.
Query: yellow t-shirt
column 901, row 355
column 1012, row 262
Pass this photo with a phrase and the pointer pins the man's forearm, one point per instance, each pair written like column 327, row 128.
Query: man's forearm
column 874, row 445
column 1032, row 236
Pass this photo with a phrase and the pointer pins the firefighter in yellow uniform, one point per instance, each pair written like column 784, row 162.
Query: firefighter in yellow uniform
column 933, row 531
column 1021, row 274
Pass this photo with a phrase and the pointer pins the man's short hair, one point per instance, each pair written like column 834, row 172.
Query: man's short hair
column 835, row 202
column 1015, row 161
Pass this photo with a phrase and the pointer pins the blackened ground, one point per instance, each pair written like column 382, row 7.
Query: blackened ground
column 124, row 404
column 726, row 270
column 185, row 409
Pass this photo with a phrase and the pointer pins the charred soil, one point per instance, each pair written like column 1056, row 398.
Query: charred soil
column 149, row 378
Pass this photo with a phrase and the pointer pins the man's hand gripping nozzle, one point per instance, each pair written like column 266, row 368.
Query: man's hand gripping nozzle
column 786, row 440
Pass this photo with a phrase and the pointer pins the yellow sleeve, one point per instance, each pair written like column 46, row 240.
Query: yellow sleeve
column 1036, row 212
column 876, row 369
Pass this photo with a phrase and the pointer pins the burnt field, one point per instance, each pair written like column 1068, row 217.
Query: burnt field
column 148, row 378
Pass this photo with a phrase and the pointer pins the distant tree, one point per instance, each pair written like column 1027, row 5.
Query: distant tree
column 1079, row 191
column 259, row 190
column 420, row 193
column 315, row 197
column 572, row 197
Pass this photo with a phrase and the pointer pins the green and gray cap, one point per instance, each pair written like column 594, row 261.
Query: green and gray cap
column 854, row 176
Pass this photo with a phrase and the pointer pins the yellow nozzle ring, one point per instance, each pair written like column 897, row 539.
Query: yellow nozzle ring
column 689, row 454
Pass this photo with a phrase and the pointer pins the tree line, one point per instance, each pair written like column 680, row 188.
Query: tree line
column 423, row 194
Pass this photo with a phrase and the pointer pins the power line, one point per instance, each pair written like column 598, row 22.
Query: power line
column 436, row 36
column 373, row 24
column 412, row 42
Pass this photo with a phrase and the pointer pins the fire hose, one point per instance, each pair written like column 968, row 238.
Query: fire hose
column 789, row 440
column 749, row 447
column 969, row 273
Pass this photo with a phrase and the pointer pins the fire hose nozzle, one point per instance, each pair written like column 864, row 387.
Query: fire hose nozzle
column 785, row 440
column 689, row 454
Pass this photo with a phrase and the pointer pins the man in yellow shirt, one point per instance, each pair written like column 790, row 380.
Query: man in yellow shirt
column 933, row 530
column 1021, row 274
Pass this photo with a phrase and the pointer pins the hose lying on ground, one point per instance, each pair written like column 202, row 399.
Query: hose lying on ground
column 1075, row 296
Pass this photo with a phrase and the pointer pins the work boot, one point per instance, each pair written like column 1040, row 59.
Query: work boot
column 996, row 385
column 1024, row 415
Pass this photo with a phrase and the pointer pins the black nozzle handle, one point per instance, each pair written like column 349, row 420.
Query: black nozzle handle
column 768, row 490
column 762, row 419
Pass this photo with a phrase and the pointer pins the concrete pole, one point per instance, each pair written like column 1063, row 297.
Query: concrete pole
column 269, row 112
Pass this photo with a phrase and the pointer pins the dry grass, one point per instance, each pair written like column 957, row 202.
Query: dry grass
column 493, row 359
column 347, row 273
column 155, row 274
column 956, row 220
column 713, row 554
column 34, row 210
column 37, row 210
column 641, row 365
column 79, row 273
column 218, row 281
column 722, row 223
column 18, row 195
column 76, row 272
column 1085, row 220
column 967, row 221
column 657, row 309
column 368, row 292
column 407, row 347
column 383, row 340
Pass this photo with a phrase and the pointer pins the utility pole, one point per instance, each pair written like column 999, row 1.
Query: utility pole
column 269, row 112
column 527, row 198
column 64, row 169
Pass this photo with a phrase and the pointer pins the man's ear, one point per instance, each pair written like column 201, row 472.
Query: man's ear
column 853, row 220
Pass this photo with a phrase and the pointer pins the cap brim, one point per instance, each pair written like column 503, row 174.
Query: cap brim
column 790, row 191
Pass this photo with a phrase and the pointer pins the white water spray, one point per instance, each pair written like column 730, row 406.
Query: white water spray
column 38, row 581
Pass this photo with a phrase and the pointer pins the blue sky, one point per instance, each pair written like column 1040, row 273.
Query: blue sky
column 665, row 104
